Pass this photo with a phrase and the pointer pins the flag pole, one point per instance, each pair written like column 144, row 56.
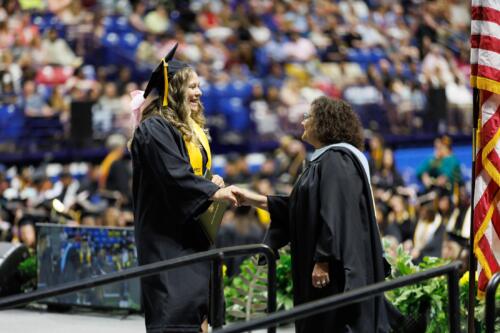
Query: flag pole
column 472, row 257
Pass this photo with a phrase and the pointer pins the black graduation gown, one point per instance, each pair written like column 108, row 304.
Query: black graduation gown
column 329, row 216
column 168, row 198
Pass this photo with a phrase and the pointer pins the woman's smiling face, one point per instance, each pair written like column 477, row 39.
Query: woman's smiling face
column 193, row 93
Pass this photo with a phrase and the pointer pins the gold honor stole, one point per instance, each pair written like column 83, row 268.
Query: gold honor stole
column 195, row 156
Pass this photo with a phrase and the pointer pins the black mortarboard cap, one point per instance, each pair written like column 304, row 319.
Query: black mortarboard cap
column 162, row 73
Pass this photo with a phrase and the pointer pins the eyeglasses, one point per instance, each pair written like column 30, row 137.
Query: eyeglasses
column 307, row 115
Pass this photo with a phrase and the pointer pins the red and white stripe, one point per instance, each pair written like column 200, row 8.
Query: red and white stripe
column 485, row 39
column 487, row 190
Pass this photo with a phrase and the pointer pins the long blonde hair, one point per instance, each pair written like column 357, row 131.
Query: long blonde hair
column 177, row 111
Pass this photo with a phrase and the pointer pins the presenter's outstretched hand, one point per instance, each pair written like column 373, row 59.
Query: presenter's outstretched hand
column 248, row 198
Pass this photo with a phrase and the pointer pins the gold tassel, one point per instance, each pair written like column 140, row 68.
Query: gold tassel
column 165, row 76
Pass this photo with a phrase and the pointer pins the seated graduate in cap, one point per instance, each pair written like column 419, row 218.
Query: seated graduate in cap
column 170, row 153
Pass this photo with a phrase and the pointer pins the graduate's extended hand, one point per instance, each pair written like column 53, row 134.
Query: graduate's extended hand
column 217, row 180
column 320, row 276
column 226, row 194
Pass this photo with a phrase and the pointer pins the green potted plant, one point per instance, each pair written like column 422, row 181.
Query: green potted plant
column 246, row 294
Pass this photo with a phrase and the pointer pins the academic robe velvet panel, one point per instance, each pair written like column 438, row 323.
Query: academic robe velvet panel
column 329, row 217
column 168, row 198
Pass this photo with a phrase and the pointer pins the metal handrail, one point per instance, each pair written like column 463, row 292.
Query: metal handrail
column 491, row 290
column 335, row 301
column 150, row 269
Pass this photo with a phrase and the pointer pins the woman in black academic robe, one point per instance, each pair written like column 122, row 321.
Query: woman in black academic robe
column 170, row 152
column 329, row 221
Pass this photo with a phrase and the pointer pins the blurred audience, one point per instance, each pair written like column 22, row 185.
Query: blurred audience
column 403, row 66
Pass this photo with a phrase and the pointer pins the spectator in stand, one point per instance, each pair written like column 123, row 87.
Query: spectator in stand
column 290, row 156
column 8, row 95
column 10, row 67
column 299, row 49
column 104, row 112
column 27, row 235
column 34, row 54
column 57, row 50
column 459, row 100
column 443, row 169
column 124, row 78
column 274, row 48
column 157, row 21
column 446, row 208
column 60, row 104
column 401, row 217
column 296, row 104
column 119, row 177
column 34, row 103
column 65, row 189
column 388, row 178
column 206, row 18
column 429, row 233
column 376, row 152
column 146, row 52
column 7, row 38
column 362, row 93
column 236, row 169
column 26, row 31
column 74, row 13
column 260, row 33
column 388, row 230
column 136, row 19
column 400, row 97
column 265, row 118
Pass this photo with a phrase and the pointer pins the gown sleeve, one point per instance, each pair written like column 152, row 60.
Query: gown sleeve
column 342, row 234
column 161, row 151
column 278, row 233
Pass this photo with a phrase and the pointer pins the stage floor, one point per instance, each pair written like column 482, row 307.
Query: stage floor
column 40, row 321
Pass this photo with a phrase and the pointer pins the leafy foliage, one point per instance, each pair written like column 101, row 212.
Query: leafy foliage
column 434, row 292
column 245, row 300
column 284, row 284
column 479, row 309
column 28, row 273
column 246, row 294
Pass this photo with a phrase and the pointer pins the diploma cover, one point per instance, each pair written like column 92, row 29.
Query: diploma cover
column 210, row 220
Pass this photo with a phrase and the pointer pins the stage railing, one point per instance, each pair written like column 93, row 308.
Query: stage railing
column 491, row 290
column 216, row 256
column 335, row 301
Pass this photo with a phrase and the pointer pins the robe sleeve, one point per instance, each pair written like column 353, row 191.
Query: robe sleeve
column 161, row 151
column 342, row 234
column 278, row 233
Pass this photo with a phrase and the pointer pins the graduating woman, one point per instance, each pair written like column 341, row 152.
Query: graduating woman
column 329, row 221
column 170, row 154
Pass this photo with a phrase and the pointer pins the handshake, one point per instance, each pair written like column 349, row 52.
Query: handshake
column 237, row 196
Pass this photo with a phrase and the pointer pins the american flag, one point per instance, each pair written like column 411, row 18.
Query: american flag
column 485, row 76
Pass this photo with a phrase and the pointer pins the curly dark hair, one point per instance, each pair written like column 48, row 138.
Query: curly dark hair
column 334, row 121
